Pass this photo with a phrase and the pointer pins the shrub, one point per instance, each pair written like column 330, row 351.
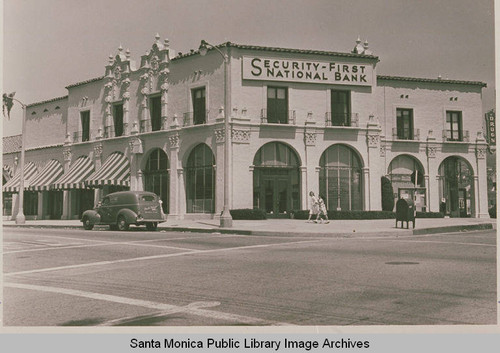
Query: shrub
column 430, row 215
column 387, row 194
column 304, row 214
column 493, row 211
column 248, row 214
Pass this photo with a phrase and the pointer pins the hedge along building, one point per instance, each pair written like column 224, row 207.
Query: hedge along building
column 300, row 120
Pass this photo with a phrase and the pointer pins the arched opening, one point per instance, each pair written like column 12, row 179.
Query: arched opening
column 200, row 180
column 340, row 178
column 156, row 176
column 407, row 177
column 276, row 179
column 456, row 187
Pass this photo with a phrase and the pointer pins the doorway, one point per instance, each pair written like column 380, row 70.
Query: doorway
column 276, row 194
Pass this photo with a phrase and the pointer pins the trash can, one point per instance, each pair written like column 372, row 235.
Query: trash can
column 405, row 212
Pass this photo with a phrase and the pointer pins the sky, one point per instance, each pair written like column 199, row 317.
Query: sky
column 49, row 44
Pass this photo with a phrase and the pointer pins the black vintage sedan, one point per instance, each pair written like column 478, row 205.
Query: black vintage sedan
column 121, row 209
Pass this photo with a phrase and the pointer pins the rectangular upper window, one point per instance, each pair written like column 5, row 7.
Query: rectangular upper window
column 341, row 108
column 277, row 105
column 85, row 120
column 404, row 124
column 454, row 126
column 155, row 113
column 199, row 106
column 118, row 119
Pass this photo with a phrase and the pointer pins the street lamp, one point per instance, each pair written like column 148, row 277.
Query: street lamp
column 8, row 102
column 226, row 221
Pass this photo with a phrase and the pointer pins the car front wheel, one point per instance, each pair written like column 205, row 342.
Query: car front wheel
column 122, row 223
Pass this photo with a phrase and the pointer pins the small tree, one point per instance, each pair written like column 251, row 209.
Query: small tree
column 387, row 195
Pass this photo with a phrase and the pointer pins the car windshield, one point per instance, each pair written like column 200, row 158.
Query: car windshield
column 147, row 198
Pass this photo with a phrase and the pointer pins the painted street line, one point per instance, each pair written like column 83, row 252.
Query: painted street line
column 191, row 309
column 154, row 257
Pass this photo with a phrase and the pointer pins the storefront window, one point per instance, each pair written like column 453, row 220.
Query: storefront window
column 156, row 177
column 200, row 180
column 456, row 187
column 340, row 179
column 276, row 179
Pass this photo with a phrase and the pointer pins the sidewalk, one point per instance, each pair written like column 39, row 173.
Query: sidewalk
column 293, row 227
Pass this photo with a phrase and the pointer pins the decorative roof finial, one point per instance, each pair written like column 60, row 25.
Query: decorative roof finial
column 110, row 59
column 157, row 36
column 166, row 43
column 358, row 48
column 127, row 53
column 120, row 48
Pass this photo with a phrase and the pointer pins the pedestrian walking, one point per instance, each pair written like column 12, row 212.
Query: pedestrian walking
column 322, row 211
column 313, row 206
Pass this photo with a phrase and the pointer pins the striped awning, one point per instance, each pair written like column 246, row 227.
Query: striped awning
column 115, row 171
column 80, row 170
column 12, row 185
column 50, row 173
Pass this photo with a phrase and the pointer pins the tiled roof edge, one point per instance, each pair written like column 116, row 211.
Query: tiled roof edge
column 47, row 101
column 84, row 82
column 283, row 50
column 430, row 80
column 43, row 147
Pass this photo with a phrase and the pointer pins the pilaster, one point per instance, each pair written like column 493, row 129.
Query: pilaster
column 173, row 203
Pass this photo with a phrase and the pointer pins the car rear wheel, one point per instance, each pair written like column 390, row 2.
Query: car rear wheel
column 151, row 226
column 122, row 223
column 87, row 225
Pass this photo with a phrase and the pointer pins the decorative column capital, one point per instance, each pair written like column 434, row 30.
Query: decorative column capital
column 241, row 135
column 174, row 141
column 135, row 145
column 481, row 152
column 373, row 140
column 431, row 151
column 310, row 138
column 67, row 153
column 220, row 135
column 98, row 150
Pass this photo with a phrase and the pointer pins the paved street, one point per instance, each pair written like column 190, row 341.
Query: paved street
column 68, row 277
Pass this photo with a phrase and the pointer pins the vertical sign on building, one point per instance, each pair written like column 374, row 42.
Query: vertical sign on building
column 490, row 129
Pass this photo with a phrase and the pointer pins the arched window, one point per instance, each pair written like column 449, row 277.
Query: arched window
column 276, row 179
column 200, row 180
column 406, row 171
column 156, row 177
column 456, row 187
column 340, row 178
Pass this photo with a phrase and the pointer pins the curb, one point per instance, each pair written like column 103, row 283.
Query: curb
column 422, row 231
column 452, row 229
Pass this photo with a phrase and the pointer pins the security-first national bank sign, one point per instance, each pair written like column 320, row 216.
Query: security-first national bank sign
column 326, row 72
